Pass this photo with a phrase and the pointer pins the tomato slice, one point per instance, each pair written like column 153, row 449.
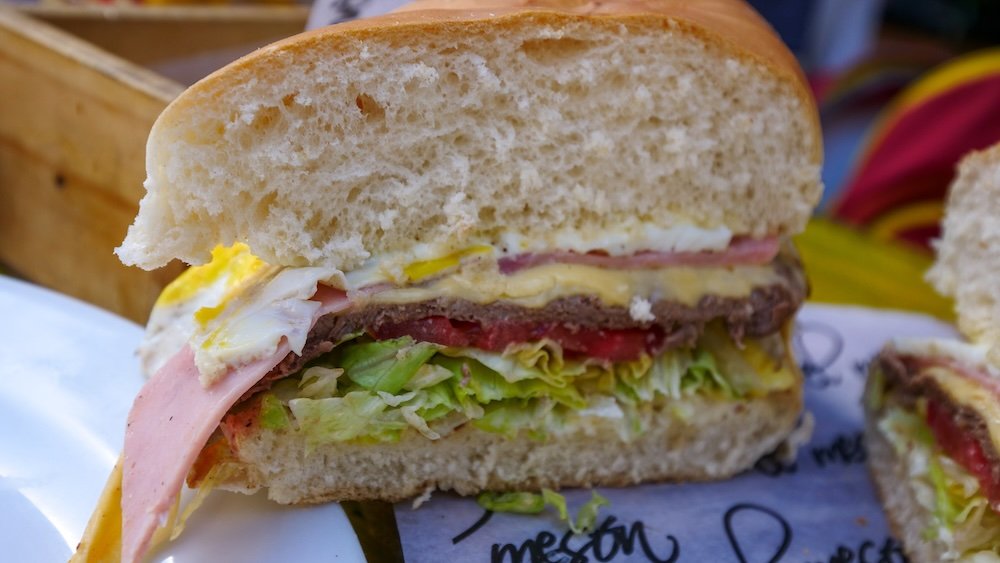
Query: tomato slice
column 962, row 447
column 616, row 345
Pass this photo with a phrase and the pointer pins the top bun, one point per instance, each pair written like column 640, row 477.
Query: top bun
column 451, row 122
column 968, row 253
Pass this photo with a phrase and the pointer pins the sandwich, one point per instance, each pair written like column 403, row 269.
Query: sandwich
column 933, row 405
column 474, row 248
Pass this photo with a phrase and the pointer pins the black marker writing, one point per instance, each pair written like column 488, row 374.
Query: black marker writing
column 474, row 527
column 536, row 549
column 603, row 544
column 846, row 449
column 755, row 515
column 861, row 367
column 756, row 534
column 343, row 10
column 772, row 466
column 889, row 551
column 818, row 346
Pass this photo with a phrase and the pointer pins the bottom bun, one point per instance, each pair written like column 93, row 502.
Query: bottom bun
column 718, row 439
column 907, row 517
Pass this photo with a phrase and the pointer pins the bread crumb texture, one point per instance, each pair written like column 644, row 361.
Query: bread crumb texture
column 338, row 145
column 718, row 440
column 907, row 518
column 968, row 253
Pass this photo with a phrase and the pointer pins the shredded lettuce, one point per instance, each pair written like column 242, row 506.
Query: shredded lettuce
column 535, row 503
column 875, row 389
column 358, row 414
column 318, row 382
column 383, row 365
column 473, row 378
column 441, row 399
column 428, row 375
column 509, row 366
column 944, row 505
column 511, row 417
column 272, row 413
column 514, row 502
column 586, row 517
column 374, row 390
column 753, row 369
column 545, row 356
column 963, row 518
column 704, row 373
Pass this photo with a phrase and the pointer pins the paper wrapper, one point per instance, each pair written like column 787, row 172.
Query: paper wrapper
column 820, row 508
column 327, row 12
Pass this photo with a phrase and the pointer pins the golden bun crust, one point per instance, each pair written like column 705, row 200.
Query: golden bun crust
column 450, row 123
column 732, row 23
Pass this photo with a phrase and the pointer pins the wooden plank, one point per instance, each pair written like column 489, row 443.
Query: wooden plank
column 153, row 35
column 375, row 524
column 73, row 125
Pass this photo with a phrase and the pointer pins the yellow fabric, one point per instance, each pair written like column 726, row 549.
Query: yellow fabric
column 846, row 266
column 903, row 218
column 966, row 68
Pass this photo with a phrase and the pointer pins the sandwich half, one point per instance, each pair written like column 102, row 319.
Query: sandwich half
column 933, row 405
column 471, row 248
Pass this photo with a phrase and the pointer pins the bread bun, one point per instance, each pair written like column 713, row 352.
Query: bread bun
column 968, row 253
column 456, row 122
column 719, row 439
column 907, row 518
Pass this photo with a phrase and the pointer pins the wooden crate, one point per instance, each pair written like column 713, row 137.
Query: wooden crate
column 180, row 42
column 74, row 115
column 77, row 100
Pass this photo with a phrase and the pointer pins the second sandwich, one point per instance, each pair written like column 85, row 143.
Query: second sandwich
column 933, row 405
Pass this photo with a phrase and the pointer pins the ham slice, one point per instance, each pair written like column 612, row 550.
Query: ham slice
column 171, row 421
column 740, row 252
column 974, row 373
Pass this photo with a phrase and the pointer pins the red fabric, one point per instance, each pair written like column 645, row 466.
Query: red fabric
column 915, row 160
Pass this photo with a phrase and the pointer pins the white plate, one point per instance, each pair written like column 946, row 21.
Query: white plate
column 68, row 377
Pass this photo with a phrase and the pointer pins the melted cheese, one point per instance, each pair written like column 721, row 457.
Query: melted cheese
column 237, row 308
column 424, row 260
column 969, row 393
column 534, row 287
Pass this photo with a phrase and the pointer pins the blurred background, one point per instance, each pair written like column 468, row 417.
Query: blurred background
column 905, row 88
